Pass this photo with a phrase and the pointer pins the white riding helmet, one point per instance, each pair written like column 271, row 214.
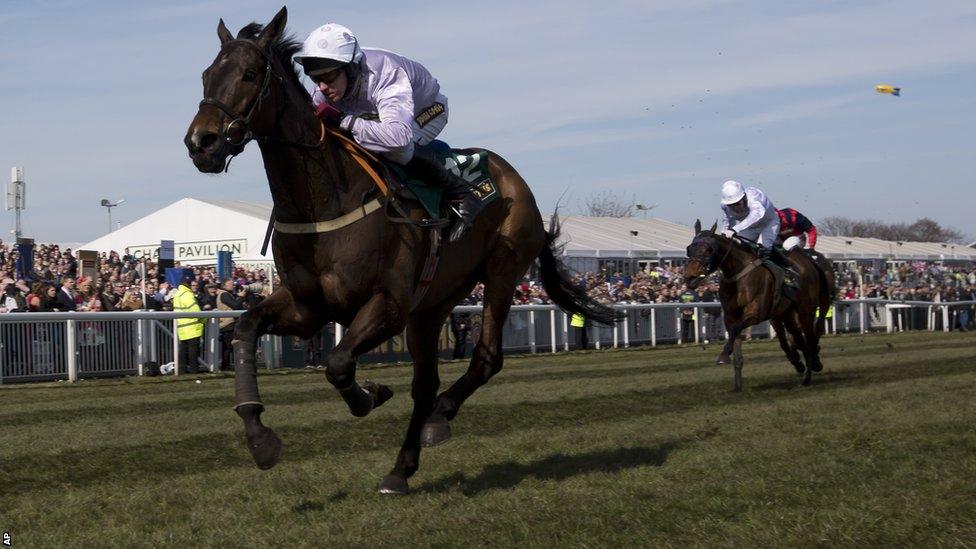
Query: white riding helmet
column 791, row 242
column 330, row 42
column 732, row 192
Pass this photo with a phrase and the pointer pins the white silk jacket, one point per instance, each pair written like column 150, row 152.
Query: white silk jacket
column 394, row 89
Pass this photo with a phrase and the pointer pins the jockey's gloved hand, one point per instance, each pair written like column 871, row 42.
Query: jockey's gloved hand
column 328, row 114
column 728, row 233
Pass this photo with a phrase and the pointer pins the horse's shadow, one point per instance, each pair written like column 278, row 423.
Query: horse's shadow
column 509, row 474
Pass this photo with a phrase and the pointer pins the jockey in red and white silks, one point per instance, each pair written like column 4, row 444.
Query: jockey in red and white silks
column 749, row 213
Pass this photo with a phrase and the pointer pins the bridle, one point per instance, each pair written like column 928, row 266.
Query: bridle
column 243, row 121
column 710, row 264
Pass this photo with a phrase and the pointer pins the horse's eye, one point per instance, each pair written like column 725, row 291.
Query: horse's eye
column 249, row 76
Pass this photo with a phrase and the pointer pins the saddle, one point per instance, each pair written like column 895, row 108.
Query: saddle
column 471, row 166
column 784, row 281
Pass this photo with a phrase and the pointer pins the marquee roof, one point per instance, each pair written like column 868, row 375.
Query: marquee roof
column 204, row 225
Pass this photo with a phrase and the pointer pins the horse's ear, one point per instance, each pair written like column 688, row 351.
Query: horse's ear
column 697, row 226
column 714, row 226
column 223, row 33
column 274, row 29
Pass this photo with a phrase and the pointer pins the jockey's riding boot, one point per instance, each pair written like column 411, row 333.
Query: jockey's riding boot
column 776, row 255
column 426, row 165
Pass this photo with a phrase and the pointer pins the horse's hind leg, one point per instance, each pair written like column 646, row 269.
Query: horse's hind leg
column 798, row 331
column 279, row 313
column 486, row 360
column 784, row 343
column 422, row 333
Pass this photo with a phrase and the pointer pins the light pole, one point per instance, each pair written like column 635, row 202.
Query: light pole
column 109, row 205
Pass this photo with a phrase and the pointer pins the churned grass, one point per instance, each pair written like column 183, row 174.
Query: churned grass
column 645, row 447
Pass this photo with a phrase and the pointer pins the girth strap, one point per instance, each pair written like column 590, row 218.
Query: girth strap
column 331, row 225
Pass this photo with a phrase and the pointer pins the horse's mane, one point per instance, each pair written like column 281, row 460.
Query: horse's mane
column 284, row 48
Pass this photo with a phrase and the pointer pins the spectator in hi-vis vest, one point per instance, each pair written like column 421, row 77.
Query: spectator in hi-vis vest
column 578, row 321
column 188, row 330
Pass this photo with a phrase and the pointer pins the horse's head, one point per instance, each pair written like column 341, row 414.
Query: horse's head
column 237, row 91
column 703, row 255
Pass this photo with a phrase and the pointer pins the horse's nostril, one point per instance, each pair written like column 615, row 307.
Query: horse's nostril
column 206, row 140
column 200, row 141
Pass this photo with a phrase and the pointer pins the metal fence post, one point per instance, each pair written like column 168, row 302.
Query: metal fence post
column 626, row 328
column 532, row 331
column 861, row 312
column 565, row 331
column 945, row 318
column 614, row 335
column 176, row 349
column 697, row 324
column 653, row 327
column 71, row 342
column 552, row 329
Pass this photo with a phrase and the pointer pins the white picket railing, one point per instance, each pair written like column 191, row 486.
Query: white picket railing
column 71, row 346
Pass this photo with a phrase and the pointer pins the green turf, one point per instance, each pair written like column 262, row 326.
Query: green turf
column 613, row 448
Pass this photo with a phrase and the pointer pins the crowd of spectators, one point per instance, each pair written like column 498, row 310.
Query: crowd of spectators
column 118, row 284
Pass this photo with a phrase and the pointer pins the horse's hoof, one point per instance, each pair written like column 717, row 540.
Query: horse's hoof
column 817, row 367
column 800, row 368
column 392, row 484
column 806, row 381
column 435, row 433
column 265, row 448
column 380, row 393
column 723, row 359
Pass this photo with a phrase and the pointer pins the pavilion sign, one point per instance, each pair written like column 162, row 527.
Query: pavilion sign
column 192, row 251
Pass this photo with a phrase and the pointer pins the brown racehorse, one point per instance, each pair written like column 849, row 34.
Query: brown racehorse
column 746, row 291
column 362, row 275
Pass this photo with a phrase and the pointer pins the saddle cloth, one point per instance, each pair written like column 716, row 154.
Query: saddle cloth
column 471, row 167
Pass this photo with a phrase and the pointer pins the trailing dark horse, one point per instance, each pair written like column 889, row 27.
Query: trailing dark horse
column 748, row 294
column 364, row 273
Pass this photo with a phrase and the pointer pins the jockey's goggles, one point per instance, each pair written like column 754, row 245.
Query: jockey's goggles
column 322, row 70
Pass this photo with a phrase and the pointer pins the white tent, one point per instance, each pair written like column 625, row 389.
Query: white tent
column 199, row 228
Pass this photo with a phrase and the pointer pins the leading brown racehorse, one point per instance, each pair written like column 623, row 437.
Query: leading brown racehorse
column 363, row 275
column 747, row 293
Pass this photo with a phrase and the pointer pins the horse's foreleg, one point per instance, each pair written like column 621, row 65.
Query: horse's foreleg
column 277, row 313
column 422, row 334
column 798, row 331
column 735, row 330
column 377, row 321
column 737, row 364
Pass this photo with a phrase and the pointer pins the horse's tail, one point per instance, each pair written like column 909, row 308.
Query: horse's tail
column 559, row 284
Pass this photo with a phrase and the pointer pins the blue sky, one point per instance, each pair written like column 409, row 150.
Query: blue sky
column 659, row 100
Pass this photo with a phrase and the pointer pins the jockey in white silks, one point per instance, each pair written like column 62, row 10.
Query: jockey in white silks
column 750, row 214
column 390, row 104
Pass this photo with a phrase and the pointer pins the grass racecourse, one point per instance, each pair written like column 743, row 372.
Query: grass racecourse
column 645, row 447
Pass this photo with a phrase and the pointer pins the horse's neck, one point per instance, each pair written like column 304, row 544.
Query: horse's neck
column 735, row 260
column 309, row 185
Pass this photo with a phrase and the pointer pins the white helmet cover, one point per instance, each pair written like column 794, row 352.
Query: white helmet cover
column 732, row 192
column 791, row 242
column 331, row 41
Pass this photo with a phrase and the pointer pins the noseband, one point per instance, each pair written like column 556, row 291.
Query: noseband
column 709, row 263
column 244, row 121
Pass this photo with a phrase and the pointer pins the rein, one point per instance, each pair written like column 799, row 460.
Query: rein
column 242, row 122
